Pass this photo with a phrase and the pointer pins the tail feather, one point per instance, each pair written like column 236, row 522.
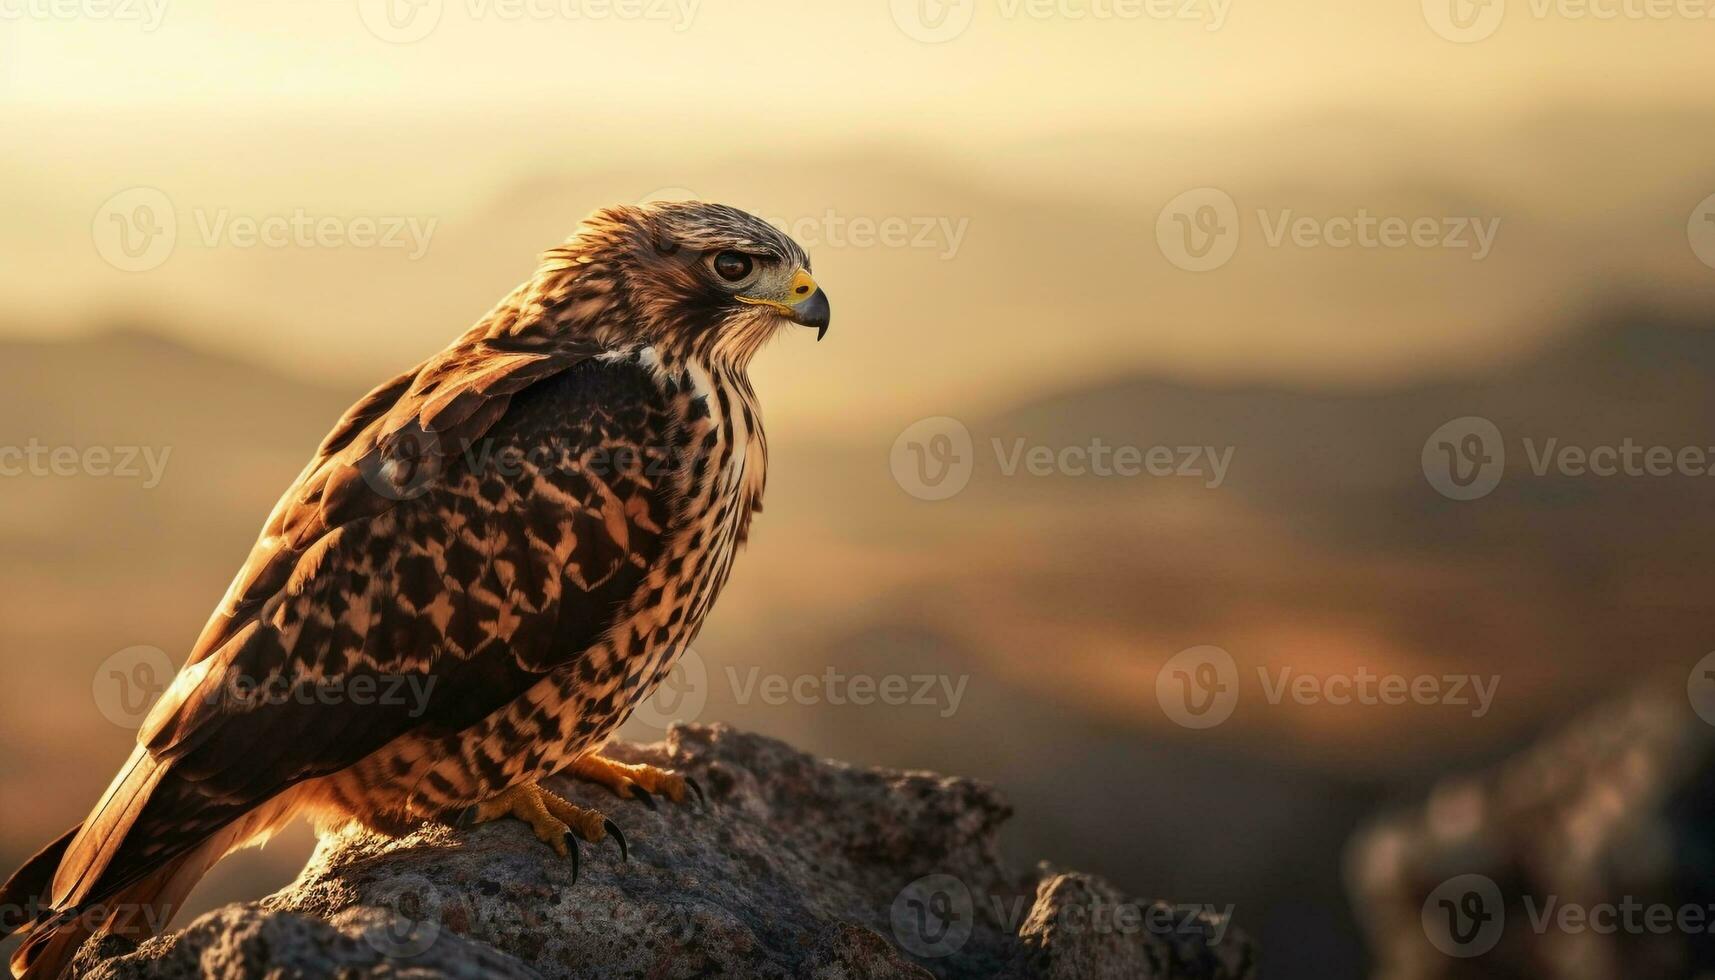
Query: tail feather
column 96, row 881
column 70, row 885
column 92, row 850
column 24, row 896
column 136, row 913
column 48, row 950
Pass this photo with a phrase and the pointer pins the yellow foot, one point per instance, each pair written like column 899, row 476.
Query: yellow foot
column 557, row 822
column 635, row 782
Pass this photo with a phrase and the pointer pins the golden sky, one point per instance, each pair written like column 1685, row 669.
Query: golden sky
column 778, row 71
column 1048, row 134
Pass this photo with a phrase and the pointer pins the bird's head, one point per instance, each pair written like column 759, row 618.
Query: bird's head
column 702, row 276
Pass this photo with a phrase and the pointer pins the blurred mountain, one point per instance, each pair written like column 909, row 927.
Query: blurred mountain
column 207, row 436
column 1326, row 541
column 1028, row 266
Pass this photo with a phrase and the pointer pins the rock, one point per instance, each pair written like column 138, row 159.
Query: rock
column 1591, row 856
column 801, row 868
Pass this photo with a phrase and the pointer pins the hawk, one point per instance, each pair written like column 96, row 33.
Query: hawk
column 523, row 532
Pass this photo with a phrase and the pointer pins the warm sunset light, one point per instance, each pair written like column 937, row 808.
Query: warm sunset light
column 1257, row 451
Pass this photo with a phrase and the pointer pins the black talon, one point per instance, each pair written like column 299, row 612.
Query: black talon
column 702, row 801
column 642, row 796
column 613, row 828
column 463, row 818
column 572, row 852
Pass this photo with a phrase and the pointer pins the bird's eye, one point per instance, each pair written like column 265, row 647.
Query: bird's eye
column 733, row 266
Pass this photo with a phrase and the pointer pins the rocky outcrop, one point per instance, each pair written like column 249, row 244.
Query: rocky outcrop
column 1590, row 856
column 800, row 868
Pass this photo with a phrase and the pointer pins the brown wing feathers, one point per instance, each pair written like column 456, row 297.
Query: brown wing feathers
column 353, row 530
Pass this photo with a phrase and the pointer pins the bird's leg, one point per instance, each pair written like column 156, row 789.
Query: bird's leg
column 635, row 782
column 557, row 822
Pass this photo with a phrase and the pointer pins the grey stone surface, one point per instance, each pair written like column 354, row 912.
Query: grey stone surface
column 802, row 867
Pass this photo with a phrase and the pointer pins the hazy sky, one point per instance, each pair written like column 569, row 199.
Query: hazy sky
column 800, row 69
column 1051, row 133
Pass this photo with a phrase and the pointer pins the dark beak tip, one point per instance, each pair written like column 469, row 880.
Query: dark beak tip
column 814, row 312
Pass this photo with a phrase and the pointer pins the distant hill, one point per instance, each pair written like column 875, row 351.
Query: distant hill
column 1648, row 374
column 1056, row 274
column 1327, row 541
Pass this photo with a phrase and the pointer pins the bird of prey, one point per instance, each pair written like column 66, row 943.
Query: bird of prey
column 528, row 527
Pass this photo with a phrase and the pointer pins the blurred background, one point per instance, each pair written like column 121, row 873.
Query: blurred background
column 1197, row 368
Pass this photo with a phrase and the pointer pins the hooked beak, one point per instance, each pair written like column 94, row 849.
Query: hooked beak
column 812, row 312
column 806, row 304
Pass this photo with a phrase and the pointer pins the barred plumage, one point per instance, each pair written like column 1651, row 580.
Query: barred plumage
column 526, row 528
